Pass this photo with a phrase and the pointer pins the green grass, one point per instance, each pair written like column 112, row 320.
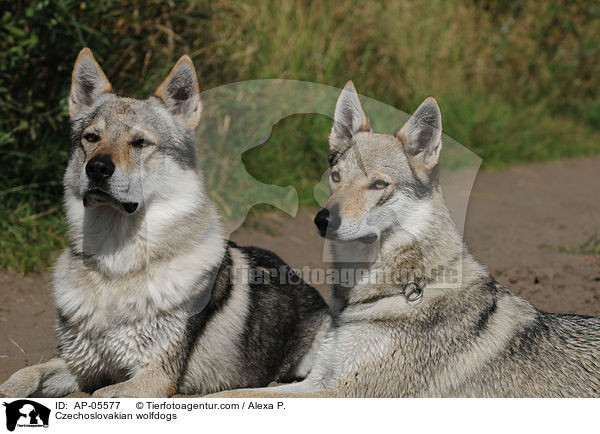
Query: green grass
column 516, row 81
column 30, row 240
column 295, row 154
column 590, row 247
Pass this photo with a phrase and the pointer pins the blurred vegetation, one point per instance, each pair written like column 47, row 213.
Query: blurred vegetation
column 590, row 247
column 516, row 81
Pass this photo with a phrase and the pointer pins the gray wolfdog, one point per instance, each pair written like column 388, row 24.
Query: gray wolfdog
column 151, row 297
column 416, row 336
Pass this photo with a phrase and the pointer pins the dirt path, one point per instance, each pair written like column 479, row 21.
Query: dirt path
column 516, row 223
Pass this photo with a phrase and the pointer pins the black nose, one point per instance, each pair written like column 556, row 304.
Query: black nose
column 327, row 219
column 100, row 167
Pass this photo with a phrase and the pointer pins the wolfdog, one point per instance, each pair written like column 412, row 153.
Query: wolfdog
column 416, row 335
column 151, row 298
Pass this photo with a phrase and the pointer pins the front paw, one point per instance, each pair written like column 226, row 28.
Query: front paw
column 240, row 393
column 15, row 390
column 21, row 384
column 136, row 388
column 119, row 390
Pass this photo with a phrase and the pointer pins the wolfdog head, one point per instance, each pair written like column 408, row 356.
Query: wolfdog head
column 380, row 184
column 133, row 191
column 127, row 151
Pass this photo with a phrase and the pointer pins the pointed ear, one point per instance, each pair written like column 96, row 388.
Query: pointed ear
column 349, row 118
column 181, row 94
column 88, row 83
column 421, row 136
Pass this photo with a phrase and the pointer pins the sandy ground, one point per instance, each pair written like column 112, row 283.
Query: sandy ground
column 516, row 221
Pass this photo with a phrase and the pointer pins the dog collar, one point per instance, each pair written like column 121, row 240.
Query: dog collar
column 412, row 291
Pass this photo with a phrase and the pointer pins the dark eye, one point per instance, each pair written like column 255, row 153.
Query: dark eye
column 91, row 137
column 335, row 176
column 139, row 143
column 379, row 185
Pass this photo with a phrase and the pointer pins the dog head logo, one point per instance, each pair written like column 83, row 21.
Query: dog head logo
column 26, row 413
